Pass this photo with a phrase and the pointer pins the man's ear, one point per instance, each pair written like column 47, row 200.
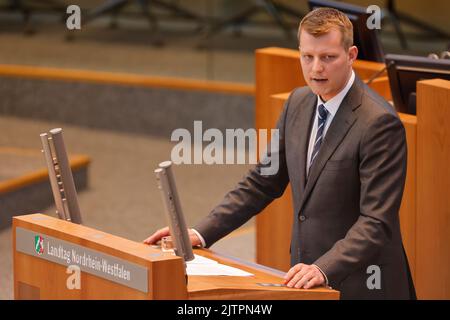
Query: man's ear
column 352, row 54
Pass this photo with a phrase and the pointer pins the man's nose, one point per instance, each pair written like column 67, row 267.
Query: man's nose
column 317, row 66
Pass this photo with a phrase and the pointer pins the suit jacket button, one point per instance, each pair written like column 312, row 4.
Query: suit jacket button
column 302, row 218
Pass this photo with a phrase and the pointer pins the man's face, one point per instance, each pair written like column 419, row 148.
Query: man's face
column 325, row 63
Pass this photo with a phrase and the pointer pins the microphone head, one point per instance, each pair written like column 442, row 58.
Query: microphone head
column 433, row 56
column 56, row 130
column 165, row 164
column 445, row 55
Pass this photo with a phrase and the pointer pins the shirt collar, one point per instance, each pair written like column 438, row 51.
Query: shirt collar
column 333, row 104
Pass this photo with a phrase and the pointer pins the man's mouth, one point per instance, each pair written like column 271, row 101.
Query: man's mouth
column 319, row 80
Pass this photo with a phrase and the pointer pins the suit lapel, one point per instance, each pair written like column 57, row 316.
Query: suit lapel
column 303, row 124
column 342, row 122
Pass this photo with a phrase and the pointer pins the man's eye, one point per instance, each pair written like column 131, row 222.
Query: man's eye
column 328, row 57
column 307, row 57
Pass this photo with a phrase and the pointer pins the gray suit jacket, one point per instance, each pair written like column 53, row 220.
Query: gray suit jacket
column 346, row 211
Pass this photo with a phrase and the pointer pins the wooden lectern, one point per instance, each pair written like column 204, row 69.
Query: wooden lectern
column 49, row 253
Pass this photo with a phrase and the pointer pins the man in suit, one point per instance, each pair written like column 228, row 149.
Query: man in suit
column 343, row 149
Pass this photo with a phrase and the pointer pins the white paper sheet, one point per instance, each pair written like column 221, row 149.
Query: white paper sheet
column 215, row 269
column 202, row 266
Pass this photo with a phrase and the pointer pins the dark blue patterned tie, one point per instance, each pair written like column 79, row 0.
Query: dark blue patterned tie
column 322, row 118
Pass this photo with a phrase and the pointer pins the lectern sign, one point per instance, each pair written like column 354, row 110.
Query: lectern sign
column 91, row 261
column 39, row 244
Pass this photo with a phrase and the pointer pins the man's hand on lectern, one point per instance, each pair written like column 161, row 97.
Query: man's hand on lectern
column 304, row 276
column 164, row 232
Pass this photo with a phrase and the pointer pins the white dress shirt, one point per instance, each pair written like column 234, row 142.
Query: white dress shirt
column 203, row 243
column 332, row 106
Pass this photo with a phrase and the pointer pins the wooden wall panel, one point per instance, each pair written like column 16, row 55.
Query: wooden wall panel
column 433, row 189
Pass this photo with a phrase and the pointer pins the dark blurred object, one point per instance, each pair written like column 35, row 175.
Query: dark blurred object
column 397, row 17
column 404, row 72
column 26, row 8
column 367, row 40
column 115, row 6
column 274, row 9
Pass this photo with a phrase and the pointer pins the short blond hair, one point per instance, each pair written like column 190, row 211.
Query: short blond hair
column 321, row 20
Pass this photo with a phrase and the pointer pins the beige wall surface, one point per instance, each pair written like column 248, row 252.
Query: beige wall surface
column 434, row 12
